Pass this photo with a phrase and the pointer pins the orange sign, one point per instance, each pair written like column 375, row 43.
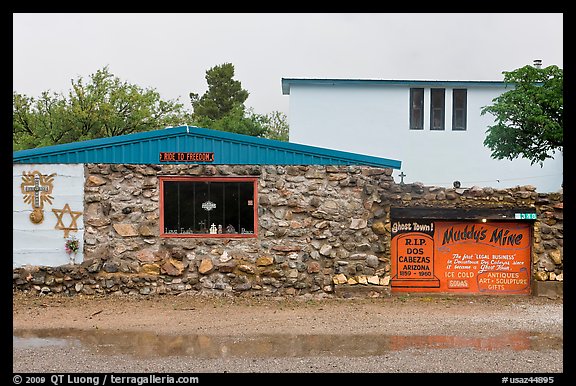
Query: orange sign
column 469, row 257
column 415, row 261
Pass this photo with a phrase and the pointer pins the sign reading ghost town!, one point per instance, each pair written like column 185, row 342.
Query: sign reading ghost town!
column 173, row 156
column 465, row 257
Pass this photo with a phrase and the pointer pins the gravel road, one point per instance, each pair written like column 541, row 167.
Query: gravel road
column 199, row 334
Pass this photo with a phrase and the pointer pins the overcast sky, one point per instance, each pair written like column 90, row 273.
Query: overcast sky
column 172, row 52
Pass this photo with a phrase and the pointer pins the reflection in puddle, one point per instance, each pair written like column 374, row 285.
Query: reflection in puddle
column 38, row 342
column 149, row 344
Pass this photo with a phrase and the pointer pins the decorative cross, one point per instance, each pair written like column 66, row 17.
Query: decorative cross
column 37, row 188
column 402, row 175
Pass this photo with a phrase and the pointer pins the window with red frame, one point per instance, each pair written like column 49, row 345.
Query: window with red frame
column 208, row 207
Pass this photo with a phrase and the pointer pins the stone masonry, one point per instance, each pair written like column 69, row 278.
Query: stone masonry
column 321, row 229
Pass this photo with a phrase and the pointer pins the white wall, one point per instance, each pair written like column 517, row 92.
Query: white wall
column 41, row 244
column 374, row 120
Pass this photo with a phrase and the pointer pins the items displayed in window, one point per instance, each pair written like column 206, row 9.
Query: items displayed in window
column 208, row 207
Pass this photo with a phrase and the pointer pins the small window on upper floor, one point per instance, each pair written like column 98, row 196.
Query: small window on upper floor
column 416, row 109
column 459, row 104
column 437, row 108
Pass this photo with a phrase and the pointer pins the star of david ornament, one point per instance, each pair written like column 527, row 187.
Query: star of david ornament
column 60, row 224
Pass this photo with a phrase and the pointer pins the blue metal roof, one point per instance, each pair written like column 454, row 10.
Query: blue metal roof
column 287, row 82
column 228, row 148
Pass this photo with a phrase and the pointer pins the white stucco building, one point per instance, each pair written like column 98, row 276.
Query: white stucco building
column 434, row 127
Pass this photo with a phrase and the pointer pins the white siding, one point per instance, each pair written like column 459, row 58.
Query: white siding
column 374, row 120
column 41, row 244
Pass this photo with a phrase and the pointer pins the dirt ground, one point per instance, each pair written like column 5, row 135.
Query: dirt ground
column 400, row 333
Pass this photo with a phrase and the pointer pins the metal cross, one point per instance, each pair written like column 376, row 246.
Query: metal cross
column 32, row 186
column 36, row 189
column 402, row 175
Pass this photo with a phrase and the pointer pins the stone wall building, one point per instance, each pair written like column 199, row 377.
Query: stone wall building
column 277, row 220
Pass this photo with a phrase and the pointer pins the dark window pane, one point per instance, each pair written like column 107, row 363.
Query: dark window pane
column 186, row 194
column 459, row 109
column 217, row 197
column 437, row 109
column 416, row 108
column 232, row 221
column 458, row 121
column 170, row 207
column 200, row 198
column 192, row 207
column 246, row 204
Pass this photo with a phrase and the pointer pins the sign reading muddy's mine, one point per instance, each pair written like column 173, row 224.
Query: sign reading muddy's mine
column 465, row 257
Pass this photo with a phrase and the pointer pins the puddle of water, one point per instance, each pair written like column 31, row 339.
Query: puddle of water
column 149, row 344
column 38, row 342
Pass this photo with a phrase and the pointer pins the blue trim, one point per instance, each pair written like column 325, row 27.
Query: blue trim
column 229, row 148
column 287, row 82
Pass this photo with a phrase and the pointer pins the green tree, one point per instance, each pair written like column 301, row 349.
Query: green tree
column 102, row 107
column 235, row 121
column 37, row 123
column 529, row 117
column 222, row 108
column 276, row 125
column 224, row 94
